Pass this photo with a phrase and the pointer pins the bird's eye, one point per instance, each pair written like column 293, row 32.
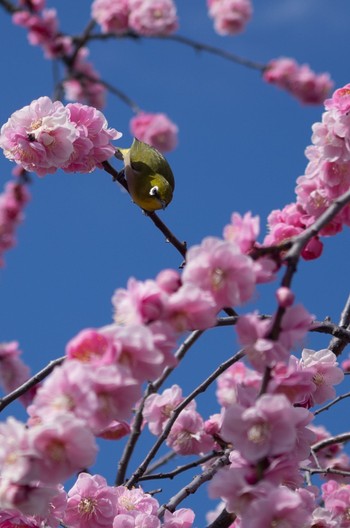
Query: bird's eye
column 154, row 191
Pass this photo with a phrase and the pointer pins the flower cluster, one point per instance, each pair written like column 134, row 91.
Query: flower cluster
column 144, row 17
column 327, row 177
column 230, row 16
column 45, row 136
column 156, row 130
column 12, row 202
column 298, row 80
column 13, row 372
column 272, row 436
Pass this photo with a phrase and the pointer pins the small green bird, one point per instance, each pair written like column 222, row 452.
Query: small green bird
column 148, row 174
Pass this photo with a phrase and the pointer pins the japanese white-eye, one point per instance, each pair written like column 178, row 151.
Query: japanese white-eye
column 148, row 174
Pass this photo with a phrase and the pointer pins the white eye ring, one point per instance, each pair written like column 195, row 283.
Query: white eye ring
column 154, row 191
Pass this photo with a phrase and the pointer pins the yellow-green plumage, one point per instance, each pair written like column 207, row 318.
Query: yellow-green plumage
column 149, row 176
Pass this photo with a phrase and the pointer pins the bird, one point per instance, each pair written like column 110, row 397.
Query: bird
column 148, row 175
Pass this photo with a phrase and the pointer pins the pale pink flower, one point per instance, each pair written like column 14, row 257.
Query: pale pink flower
column 326, row 373
column 85, row 85
column 93, row 146
column 190, row 308
column 11, row 518
column 243, row 230
column 153, row 17
column 91, row 503
column 219, row 267
column 17, row 456
column 182, row 518
column 340, row 100
column 271, row 427
column 134, row 501
column 187, row 436
column 116, row 392
column 262, row 351
column 169, row 280
column 281, row 506
column 141, row 303
column 299, row 80
column 336, row 498
column 156, row 130
column 285, row 296
column 64, row 445
column 57, row 507
column 230, row 16
column 39, row 137
column 111, row 15
column 233, row 380
column 30, row 499
column 295, row 324
column 292, row 380
column 139, row 520
column 158, row 408
column 13, row 372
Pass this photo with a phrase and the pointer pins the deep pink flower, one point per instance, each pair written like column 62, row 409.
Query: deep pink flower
column 156, row 130
column 91, row 346
column 153, row 17
column 299, row 80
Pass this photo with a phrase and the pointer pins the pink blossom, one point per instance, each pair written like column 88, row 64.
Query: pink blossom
column 57, row 507
column 187, row 436
column 295, row 324
column 153, row 17
column 11, row 518
column 254, row 334
column 156, row 130
column 182, row 518
column 43, row 31
column 219, row 267
column 91, row 346
column 169, row 280
column 64, row 446
column 292, row 380
column 138, row 351
column 115, row 430
column 233, row 380
column 337, row 500
column 112, row 16
column 271, row 427
column 326, row 373
column 91, row 502
column 134, row 501
column 340, row 100
column 190, row 308
column 30, row 499
column 93, row 146
column 285, row 297
column 13, row 372
column 39, row 137
column 243, row 231
column 230, row 16
column 141, row 302
column 280, row 506
column 158, row 408
column 16, row 453
column 140, row 520
column 299, row 80
column 84, row 85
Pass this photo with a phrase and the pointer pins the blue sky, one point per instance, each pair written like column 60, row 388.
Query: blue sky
column 241, row 147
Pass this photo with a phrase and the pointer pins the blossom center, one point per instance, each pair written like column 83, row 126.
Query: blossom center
column 318, row 379
column 218, row 277
column 257, row 433
column 87, row 506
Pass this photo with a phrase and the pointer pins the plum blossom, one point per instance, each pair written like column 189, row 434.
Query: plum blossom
column 271, row 427
column 45, row 136
column 13, row 372
column 219, row 267
column 187, row 435
column 243, row 230
column 326, row 373
column 112, row 16
column 156, row 130
column 153, row 17
column 134, row 501
column 12, row 202
column 230, row 16
column 91, row 502
column 299, row 80
column 91, row 346
column 158, row 408
column 182, row 518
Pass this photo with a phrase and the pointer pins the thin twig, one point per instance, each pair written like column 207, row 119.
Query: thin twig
column 333, row 402
column 34, row 380
column 326, row 471
column 224, row 520
column 180, row 469
column 338, row 439
column 175, row 413
column 337, row 345
column 193, row 486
